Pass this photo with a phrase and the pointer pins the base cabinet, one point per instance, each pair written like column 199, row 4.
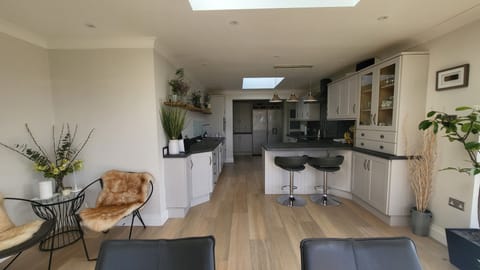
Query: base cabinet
column 178, row 185
column 383, row 186
column 202, row 174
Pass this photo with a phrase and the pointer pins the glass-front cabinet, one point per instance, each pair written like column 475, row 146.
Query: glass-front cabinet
column 377, row 96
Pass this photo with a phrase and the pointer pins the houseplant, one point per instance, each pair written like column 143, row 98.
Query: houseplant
column 178, row 85
column 173, row 121
column 421, row 171
column 65, row 154
column 463, row 244
column 196, row 96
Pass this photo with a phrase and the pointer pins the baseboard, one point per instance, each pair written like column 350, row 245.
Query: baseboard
column 177, row 212
column 438, row 233
column 200, row 200
column 390, row 220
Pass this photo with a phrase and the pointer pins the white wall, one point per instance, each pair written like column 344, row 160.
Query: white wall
column 456, row 48
column 25, row 97
column 113, row 91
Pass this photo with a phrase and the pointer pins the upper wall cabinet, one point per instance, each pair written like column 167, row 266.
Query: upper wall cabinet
column 343, row 98
column 307, row 111
column 392, row 103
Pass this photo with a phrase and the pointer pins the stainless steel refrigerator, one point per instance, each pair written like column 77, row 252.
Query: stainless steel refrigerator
column 267, row 127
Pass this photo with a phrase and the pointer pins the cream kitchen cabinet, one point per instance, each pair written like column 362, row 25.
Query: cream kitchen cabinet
column 383, row 186
column 392, row 103
column 343, row 99
column 307, row 111
column 178, row 185
column 202, row 175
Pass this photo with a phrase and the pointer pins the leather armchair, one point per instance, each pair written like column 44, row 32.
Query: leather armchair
column 177, row 254
column 359, row 254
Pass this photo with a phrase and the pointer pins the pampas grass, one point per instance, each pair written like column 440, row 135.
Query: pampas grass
column 421, row 167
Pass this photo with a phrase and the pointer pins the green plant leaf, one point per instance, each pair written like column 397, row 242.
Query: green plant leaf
column 463, row 108
column 472, row 146
column 431, row 113
column 425, row 124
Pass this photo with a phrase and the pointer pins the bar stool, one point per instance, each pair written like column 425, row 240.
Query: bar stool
column 326, row 165
column 292, row 164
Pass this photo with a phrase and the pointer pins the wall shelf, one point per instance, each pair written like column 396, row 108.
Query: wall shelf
column 188, row 107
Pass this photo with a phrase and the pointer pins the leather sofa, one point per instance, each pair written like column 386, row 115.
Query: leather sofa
column 397, row 253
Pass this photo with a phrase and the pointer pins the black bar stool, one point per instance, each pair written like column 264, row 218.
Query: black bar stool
column 292, row 164
column 326, row 165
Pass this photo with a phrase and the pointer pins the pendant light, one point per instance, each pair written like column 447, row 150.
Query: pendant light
column 276, row 98
column 293, row 98
column 310, row 98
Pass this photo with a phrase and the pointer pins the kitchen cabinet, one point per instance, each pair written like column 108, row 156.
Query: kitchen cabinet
column 392, row 103
column 178, row 185
column 307, row 111
column 383, row 185
column 217, row 118
column 202, row 175
column 342, row 99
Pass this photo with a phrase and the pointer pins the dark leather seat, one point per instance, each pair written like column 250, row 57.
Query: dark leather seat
column 291, row 164
column 397, row 253
column 175, row 254
column 325, row 165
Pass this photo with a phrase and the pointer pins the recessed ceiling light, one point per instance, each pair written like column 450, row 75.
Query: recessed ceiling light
column 90, row 25
column 233, row 22
column 261, row 82
column 268, row 4
column 276, row 56
column 382, row 18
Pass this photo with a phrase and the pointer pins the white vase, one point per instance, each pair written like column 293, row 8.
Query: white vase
column 173, row 148
column 181, row 146
column 45, row 189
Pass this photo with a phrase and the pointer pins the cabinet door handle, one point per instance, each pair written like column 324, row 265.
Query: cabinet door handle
column 381, row 146
column 368, row 164
column 365, row 164
column 362, row 144
column 210, row 160
column 337, row 109
column 354, row 107
column 381, row 136
column 363, row 134
column 191, row 164
column 374, row 117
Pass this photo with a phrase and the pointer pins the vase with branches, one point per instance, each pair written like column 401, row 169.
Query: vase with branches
column 64, row 159
column 178, row 85
column 421, row 168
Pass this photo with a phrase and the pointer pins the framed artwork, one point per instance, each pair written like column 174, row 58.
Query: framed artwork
column 450, row 78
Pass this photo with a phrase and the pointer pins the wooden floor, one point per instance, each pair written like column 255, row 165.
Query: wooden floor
column 251, row 230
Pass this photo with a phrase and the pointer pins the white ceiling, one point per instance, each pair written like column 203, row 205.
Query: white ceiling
column 219, row 53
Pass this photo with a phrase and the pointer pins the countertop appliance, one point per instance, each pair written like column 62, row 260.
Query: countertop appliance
column 267, row 127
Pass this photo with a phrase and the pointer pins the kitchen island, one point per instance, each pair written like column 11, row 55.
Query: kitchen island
column 375, row 180
column 306, row 180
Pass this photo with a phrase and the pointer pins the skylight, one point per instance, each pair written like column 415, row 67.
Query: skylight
column 261, row 82
column 268, row 4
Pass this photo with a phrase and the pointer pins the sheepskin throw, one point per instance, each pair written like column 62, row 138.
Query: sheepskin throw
column 10, row 235
column 122, row 193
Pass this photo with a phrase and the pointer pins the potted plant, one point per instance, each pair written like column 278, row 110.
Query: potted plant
column 421, row 171
column 65, row 154
column 206, row 101
column 196, row 96
column 463, row 244
column 173, row 120
column 178, row 85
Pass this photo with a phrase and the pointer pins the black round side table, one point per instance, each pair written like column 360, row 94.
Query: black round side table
column 67, row 228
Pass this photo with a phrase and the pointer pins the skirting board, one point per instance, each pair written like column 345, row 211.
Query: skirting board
column 390, row 220
column 200, row 200
column 438, row 233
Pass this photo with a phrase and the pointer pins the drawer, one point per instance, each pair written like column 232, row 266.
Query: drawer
column 384, row 147
column 381, row 136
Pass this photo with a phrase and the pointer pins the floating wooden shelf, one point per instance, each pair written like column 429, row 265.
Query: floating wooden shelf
column 188, row 107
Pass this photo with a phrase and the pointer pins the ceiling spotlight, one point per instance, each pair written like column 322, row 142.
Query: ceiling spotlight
column 90, row 25
column 233, row 22
column 382, row 18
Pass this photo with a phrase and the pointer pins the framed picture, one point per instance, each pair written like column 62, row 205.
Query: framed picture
column 450, row 78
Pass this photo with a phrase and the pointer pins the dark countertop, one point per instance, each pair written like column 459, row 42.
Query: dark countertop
column 206, row 144
column 328, row 145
